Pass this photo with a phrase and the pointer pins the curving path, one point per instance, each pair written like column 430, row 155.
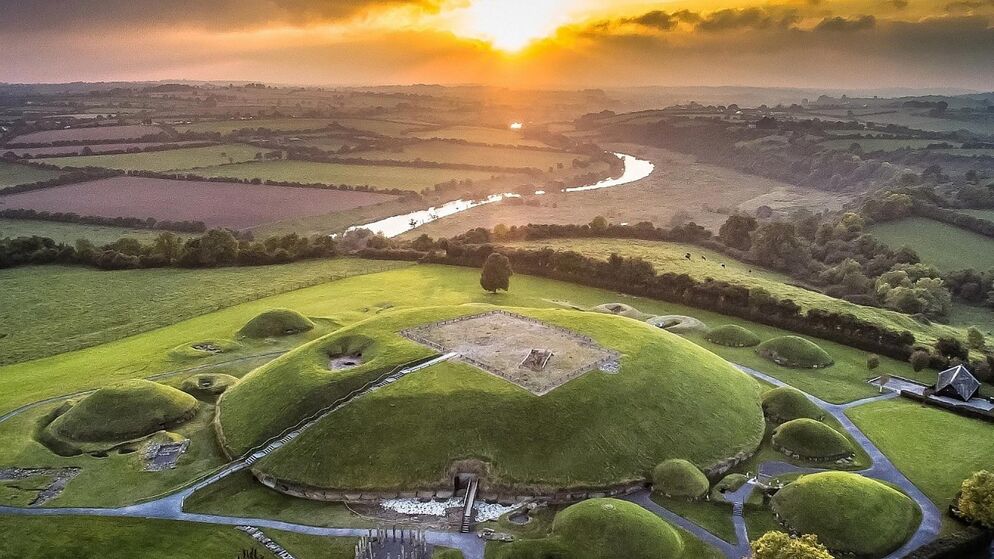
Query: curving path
column 170, row 507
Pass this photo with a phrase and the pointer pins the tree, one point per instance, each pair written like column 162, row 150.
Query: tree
column 951, row 347
column 872, row 361
column 496, row 273
column 975, row 338
column 599, row 224
column 976, row 500
column 778, row 545
column 735, row 231
column 919, row 360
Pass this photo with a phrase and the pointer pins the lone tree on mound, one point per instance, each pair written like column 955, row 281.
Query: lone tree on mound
column 778, row 545
column 496, row 273
column 976, row 500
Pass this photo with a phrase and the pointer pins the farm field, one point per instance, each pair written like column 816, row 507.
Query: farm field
column 923, row 122
column 669, row 257
column 70, row 232
column 275, row 124
column 218, row 204
column 13, row 174
column 347, row 301
column 945, row 449
column 81, row 135
column 40, row 318
column 882, row 144
column 77, row 149
column 450, row 152
column 480, row 135
column 377, row 176
column 717, row 192
column 982, row 214
column 183, row 159
column 932, row 240
column 113, row 538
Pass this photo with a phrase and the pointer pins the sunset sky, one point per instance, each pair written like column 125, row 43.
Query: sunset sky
column 525, row 43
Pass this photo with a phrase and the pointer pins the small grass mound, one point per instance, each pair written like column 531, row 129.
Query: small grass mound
column 732, row 335
column 124, row 411
column 678, row 324
column 207, row 387
column 795, row 352
column 679, row 478
column 276, row 322
column 810, row 439
column 786, row 403
column 204, row 348
column 622, row 309
column 608, row 528
column 848, row 512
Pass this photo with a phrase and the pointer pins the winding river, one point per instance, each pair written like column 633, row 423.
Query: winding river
column 635, row 169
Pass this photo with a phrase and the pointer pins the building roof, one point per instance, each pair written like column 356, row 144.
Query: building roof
column 959, row 381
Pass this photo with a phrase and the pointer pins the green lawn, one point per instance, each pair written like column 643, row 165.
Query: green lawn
column 347, row 301
column 947, row 247
column 670, row 257
column 182, row 159
column 52, row 309
column 119, row 538
column 70, row 232
column 936, row 449
column 13, row 174
column 450, row 152
column 377, row 176
column 713, row 517
column 882, row 144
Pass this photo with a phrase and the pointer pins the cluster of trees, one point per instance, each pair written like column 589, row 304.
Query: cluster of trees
column 215, row 248
column 129, row 222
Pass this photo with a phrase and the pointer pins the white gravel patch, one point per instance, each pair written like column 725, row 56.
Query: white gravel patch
column 415, row 507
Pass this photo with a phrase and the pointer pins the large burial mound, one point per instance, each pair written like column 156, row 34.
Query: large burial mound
column 795, row 352
column 786, row 403
column 124, row 411
column 732, row 335
column 810, row 439
column 665, row 398
column 848, row 512
column 679, row 478
column 275, row 323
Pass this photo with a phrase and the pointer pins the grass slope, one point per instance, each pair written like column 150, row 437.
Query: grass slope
column 377, row 176
column 603, row 428
column 114, row 538
column 70, row 232
column 169, row 160
column 47, row 310
column 848, row 512
column 931, row 240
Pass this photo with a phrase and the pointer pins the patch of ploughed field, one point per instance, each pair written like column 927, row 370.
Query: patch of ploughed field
column 217, row 204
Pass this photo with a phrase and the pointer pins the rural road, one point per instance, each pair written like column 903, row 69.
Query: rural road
column 170, row 507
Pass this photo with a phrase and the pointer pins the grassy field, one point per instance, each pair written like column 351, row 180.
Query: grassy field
column 347, row 301
column 932, row 241
column 378, row 176
column 385, row 127
column 481, row 135
column 70, row 232
column 48, row 310
column 982, row 214
column 936, row 449
column 614, row 426
column 881, row 144
column 13, row 174
column 669, row 257
column 182, row 159
column 114, row 538
column 449, row 152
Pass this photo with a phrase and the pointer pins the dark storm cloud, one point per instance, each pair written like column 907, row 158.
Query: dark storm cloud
column 860, row 23
column 34, row 15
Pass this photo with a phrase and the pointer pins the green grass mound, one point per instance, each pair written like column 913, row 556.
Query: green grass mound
column 609, row 528
column 807, row 438
column 124, row 411
column 848, row 512
column 204, row 348
column 728, row 484
column 679, row 478
column 276, row 322
column 622, row 309
column 665, row 392
column 732, row 335
column 786, row 403
column 207, row 387
column 795, row 352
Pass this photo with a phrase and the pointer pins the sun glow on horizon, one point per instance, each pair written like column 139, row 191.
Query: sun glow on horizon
column 511, row 25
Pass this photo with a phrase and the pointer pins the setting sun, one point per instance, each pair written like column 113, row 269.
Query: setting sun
column 511, row 25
